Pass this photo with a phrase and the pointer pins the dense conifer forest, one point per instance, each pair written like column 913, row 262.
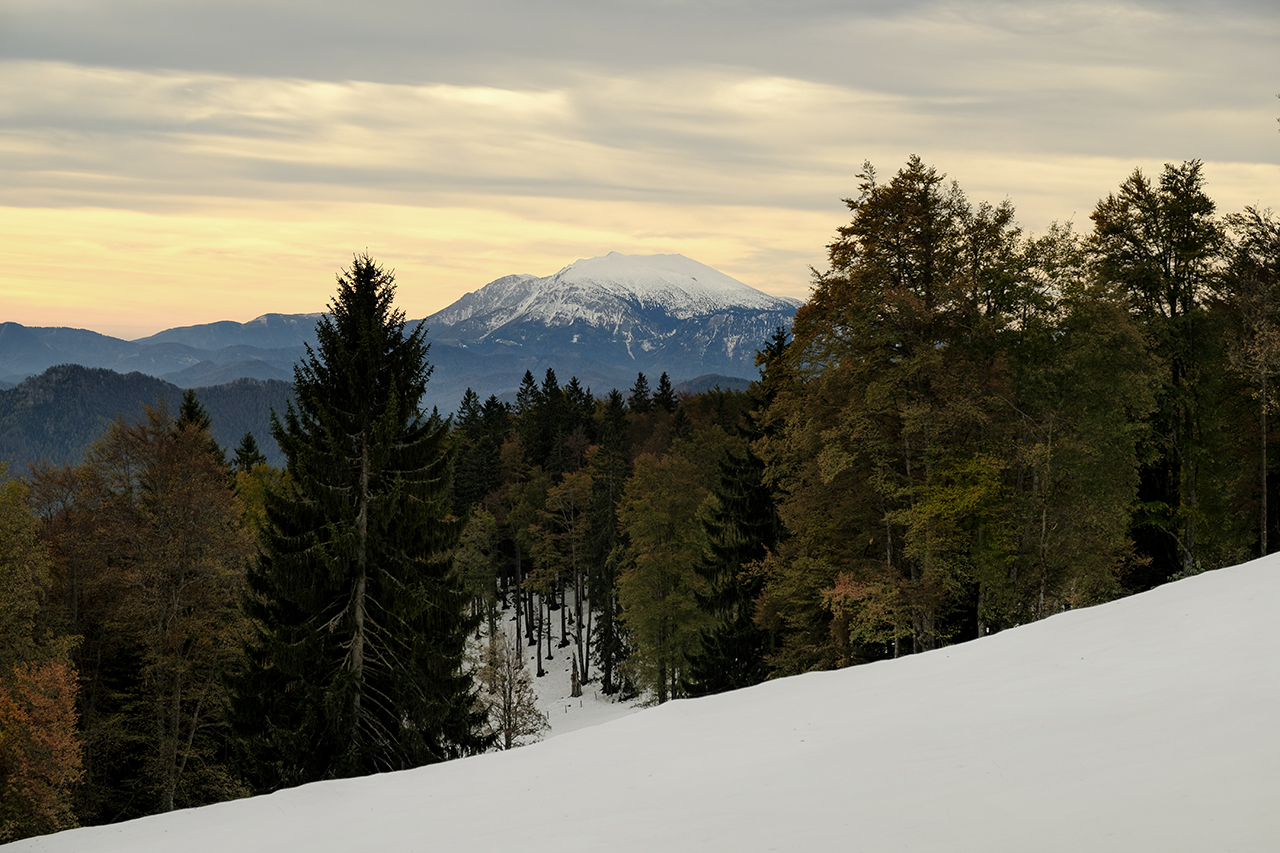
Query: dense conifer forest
column 968, row 428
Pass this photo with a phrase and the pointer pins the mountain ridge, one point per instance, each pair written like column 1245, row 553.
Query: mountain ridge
column 602, row 319
column 55, row 416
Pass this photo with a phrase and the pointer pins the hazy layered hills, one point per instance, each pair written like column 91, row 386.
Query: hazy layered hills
column 26, row 351
column 601, row 319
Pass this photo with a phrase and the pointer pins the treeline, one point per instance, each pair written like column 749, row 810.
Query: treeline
column 967, row 429
column 972, row 429
column 591, row 523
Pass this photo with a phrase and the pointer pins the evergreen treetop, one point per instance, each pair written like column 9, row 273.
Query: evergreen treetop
column 664, row 398
column 639, row 400
column 358, row 661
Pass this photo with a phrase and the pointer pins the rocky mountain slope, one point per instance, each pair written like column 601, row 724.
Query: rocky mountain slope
column 649, row 313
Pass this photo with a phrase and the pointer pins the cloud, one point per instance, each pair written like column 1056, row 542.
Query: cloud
column 726, row 130
column 131, row 274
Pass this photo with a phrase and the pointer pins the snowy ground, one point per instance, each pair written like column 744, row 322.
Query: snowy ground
column 564, row 712
column 1148, row 724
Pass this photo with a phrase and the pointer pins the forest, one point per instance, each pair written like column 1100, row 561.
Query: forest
column 968, row 428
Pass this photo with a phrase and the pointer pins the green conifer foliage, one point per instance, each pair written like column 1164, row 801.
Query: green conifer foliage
column 742, row 527
column 610, row 466
column 193, row 413
column 248, row 455
column 358, row 663
column 665, row 398
column 1160, row 243
column 476, row 465
column 639, row 401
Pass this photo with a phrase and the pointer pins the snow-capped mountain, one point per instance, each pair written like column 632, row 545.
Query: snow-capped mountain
column 609, row 291
column 633, row 312
column 602, row 320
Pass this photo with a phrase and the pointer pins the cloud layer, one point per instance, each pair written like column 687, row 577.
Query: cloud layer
column 662, row 126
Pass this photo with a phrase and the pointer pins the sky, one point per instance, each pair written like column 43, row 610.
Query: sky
column 1146, row 723
column 172, row 162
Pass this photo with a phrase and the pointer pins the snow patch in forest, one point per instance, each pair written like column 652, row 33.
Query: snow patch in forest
column 1147, row 723
column 565, row 712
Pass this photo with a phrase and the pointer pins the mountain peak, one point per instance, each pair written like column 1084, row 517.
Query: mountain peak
column 608, row 291
column 681, row 285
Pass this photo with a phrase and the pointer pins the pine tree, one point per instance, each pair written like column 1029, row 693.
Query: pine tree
column 664, row 398
column 609, row 468
column 544, row 439
column 742, row 528
column 247, row 454
column 1161, row 245
column 476, row 469
column 193, row 413
column 639, row 401
column 469, row 413
column 358, row 661
column 527, row 396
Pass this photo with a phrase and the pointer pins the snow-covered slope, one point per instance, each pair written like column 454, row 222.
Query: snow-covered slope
column 1147, row 724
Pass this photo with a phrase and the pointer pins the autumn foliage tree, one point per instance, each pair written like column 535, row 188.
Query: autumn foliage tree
column 149, row 558
column 40, row 747
column 955, row 431
column 40, row 755
column 507, row 695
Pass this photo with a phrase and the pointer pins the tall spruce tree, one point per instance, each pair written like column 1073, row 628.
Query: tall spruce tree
column 357, row 666
column 742, row 527
column 247, row 454
column 192, row 413
column 665, row 398
column 610, row 467
column 640, row 401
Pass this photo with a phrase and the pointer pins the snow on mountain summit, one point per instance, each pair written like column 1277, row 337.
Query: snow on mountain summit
column 605, row 319
column 683, row 286
column 607, row 291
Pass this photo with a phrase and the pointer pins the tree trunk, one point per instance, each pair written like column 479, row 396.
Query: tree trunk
column 1262, row 510
column 541, row 671
column 362, row 563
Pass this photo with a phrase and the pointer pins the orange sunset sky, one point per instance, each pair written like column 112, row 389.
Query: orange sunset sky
column 172, row 162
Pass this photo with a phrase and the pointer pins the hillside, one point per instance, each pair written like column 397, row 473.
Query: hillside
column 1142, row 724
column 55, row 416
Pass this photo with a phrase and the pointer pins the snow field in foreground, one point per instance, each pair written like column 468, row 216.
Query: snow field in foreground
column 1146, row 724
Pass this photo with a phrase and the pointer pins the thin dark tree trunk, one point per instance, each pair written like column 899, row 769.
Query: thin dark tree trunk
column 1262, row 511
column 541, row 671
